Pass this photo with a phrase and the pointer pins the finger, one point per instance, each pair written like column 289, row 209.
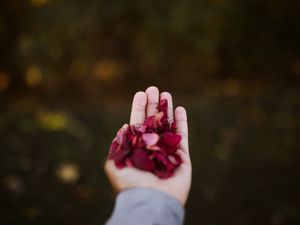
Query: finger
column 182, row 128
column 152, row 101
column 168, row 97
column 137, row 115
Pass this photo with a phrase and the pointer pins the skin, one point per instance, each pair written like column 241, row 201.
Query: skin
column 178, row 186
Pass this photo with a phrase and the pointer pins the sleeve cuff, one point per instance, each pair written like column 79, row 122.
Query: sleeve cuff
column 146, row 206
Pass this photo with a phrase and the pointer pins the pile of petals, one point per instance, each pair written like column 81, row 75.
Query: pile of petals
column 150, row 147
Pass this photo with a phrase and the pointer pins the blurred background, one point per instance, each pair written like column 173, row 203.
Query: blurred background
column 69, row 70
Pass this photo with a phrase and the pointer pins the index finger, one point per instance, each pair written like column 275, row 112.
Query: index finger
column 138, row 108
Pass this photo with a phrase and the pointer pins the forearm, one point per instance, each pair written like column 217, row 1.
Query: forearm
column 138, row 206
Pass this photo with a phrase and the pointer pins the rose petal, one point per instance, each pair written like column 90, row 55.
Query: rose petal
column 150, row 138
column 163, row 167
column 170, row 142
column 113, row 148
column 171, row 139
column 119, row 155
column 153, row 147
column 163, row 106
column 141, row 129
column 173, row 126
column 140, row 159
column 128, row 162
column 175, row 159
column 160, row 117
column 120, row 135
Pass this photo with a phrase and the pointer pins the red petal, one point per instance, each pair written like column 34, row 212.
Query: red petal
column 163, row 106
column 163, row 167
column 160, row 118
column 112, row 150
column 149, row 122
column 140, row 159
column 170, row 141
column 153, row 147
column 120, row 135
column 173, row 127
column 128, row 162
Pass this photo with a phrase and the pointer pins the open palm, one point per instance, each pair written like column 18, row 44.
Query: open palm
column 145, row 104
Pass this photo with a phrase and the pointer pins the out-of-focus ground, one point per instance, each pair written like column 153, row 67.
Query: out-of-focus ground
column 69, row 69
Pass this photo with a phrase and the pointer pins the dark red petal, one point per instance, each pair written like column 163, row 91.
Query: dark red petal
column 140, row 159
column 120, row 156
column 149, row 122
column 163, row 167
column 163, row 174
column 171, row 139
column 163, row 106
column 173, row 127
column 170, row 142
column 112, row 150
column 137, row 142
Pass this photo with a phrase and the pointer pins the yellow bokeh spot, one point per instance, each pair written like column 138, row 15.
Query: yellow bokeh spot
column 33, row 76
column 68, row 172
column 38, row 2
column 107, row 70
column 53, row 121
column 4, row 81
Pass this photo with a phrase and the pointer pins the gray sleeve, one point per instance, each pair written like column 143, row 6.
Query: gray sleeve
column 142, row 206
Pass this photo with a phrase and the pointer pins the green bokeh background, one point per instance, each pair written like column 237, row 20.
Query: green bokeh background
column 69, row 69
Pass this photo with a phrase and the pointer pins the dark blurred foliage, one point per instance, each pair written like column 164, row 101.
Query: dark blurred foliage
column 68, row 71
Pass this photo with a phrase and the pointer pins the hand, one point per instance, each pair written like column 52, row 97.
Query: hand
column 145, row 104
